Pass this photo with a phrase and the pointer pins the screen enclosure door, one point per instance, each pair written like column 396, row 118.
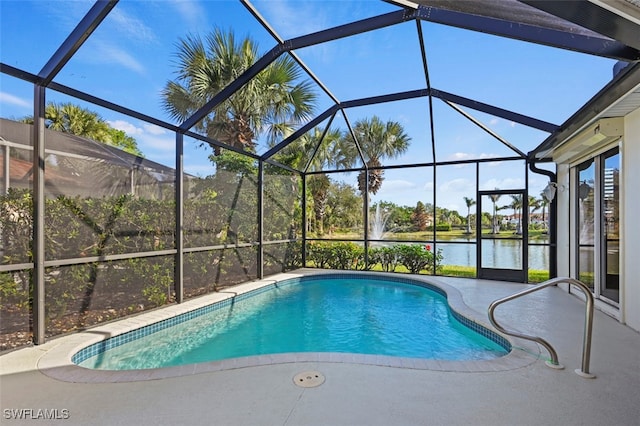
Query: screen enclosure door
column 502, row 221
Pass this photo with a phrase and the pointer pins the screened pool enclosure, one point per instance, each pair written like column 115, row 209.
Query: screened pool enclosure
column 270, row 136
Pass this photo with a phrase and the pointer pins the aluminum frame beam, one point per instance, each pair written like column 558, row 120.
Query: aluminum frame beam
column 350, row 29
column 74, row 41
column 301, row 131
column 178, row 272
column 525, row 32
column 252, row 9
column 330, row 34
column 444, row 96
column 320, row 142
column 233, row 87
column 498, row 112
column 591, row 16
column 38, row 241
column 485, row 128
column 391, row 97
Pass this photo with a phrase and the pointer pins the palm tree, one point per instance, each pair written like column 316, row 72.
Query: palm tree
column 516, row 205
column 105, row 178
column 272, row 103
column 323, row 150
column 446, row 216
column 79, row 121
column 469, row 202
column 70, row 118
column 534, row 204
column 494, row 200
column 377, row 140
column 543, row 204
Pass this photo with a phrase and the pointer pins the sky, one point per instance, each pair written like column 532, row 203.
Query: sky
column 131, row 56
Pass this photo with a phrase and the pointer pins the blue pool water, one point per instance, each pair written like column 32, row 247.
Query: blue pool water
column 365, row 316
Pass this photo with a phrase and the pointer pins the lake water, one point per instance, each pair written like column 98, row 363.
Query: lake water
column 498, row 253
column 495, row 254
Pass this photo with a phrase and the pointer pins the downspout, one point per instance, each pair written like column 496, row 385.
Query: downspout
column 553, row 222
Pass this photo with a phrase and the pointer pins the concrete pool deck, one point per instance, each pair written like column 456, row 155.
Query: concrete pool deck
column 361, row 394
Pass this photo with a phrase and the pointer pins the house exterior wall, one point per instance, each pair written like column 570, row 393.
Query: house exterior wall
column 630, row 297
column 629, row 309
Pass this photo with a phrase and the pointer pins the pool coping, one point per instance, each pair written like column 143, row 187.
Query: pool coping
column 56, row 361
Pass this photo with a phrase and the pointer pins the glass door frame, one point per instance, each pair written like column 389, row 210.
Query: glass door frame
column 600, row 243
column 503, row 274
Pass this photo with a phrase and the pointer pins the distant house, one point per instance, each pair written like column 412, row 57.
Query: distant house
column 76, row 166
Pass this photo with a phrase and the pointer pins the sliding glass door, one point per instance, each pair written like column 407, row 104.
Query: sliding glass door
column 597, row 201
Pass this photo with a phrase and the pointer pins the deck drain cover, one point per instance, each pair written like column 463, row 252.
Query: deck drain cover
column 308, row 379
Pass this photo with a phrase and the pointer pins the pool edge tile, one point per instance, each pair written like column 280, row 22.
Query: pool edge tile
column 58, row 362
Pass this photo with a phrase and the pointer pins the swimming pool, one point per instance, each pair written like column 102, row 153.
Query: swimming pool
column 329, row 313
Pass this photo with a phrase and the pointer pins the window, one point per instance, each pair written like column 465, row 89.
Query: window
column 597, row 207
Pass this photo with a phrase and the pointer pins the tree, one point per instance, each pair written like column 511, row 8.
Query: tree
column 419, row 217
column 516, row 205
column 398, row 217
column 345, row 206
column 79, row 121
column 534, row 204
column 445, row 216
column 377, row 140
column 323, row 149
column 543, row 204
column 123, row 141
column 319, row 188
column 495, row 226
column 272, row 103
column 469, row 202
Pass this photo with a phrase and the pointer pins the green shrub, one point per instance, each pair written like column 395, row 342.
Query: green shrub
column 441, row 227
column 414, row 257
column 338, row 255
column 387, row 257
column 348, row 256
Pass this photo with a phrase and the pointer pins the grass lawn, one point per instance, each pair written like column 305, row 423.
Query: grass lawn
column 457, row 234
column 535, row 276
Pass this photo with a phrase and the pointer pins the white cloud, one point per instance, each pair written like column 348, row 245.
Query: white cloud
column 130, row 27
column 459, row 156
column 506, row 183
column 126, row 127
column 112, row 54
column 459, row 185
column 286, row 17
column 65, row 18
column 291, row 19
column 6, row 98
column 191, row 12
column 150, row 139
column 462, row 156
column 145, row 129
column 154, row 130
column 393, row 187
column 496, row 122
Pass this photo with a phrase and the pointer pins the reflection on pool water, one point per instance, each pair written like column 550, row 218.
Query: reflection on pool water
column 358, row 314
